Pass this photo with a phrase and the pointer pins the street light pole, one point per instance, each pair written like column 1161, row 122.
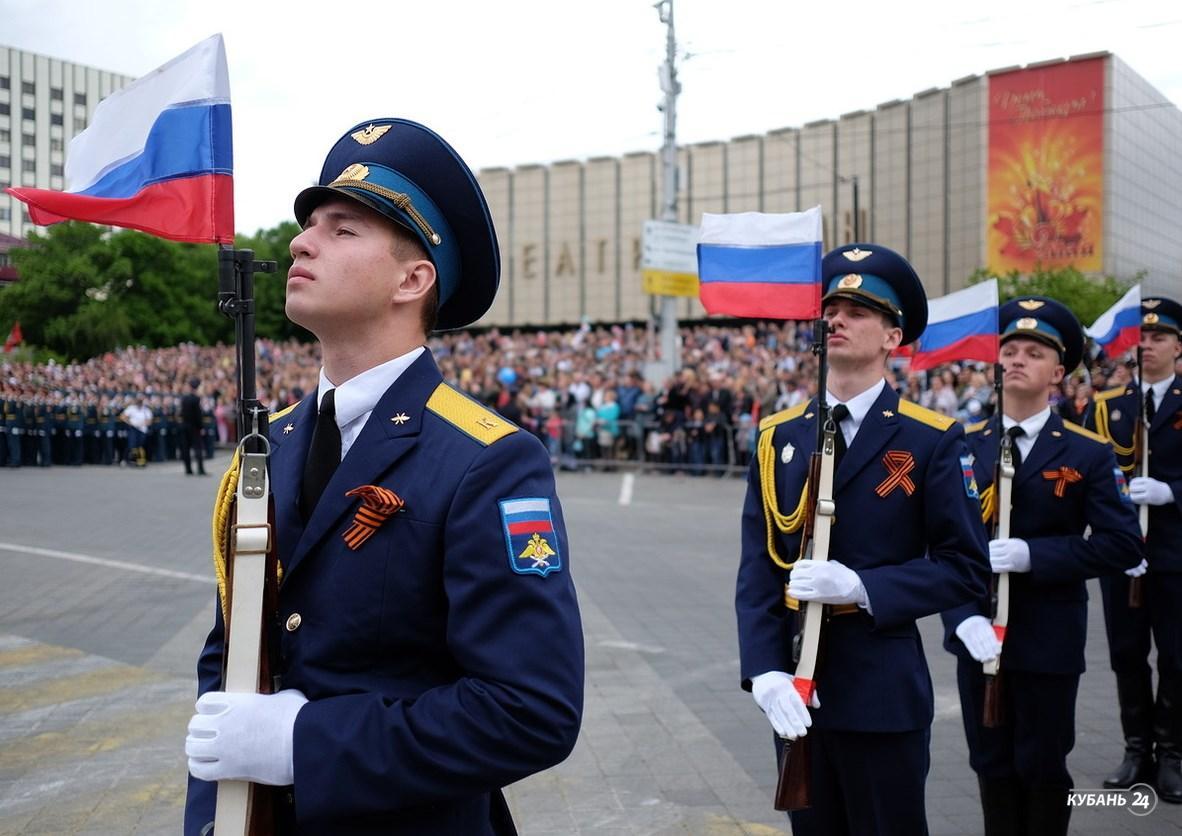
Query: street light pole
column 670, row 348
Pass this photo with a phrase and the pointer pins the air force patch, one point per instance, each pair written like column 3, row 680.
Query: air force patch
column 1122, row 487
column 970, row 479
column 530, row 536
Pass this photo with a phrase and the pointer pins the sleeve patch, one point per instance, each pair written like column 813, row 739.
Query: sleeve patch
column 530, row 536
column 1122, row 487
column 970, row 479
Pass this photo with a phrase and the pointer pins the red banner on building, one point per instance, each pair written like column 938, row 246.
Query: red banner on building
column 1045, row 175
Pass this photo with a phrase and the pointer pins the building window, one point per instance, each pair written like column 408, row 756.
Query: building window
column 56, row 169
column 28, row 139
column 5, row 84
column 5, row 135
column 28, row 113
column 5, row 213
column 28, row 87
column 55, row 119
column 5, row 162
column 29, row 166
column 80, row 123
column 56, row 144
column 80, row 99
column 25, row 216
column 56, row 94
column 4, row 109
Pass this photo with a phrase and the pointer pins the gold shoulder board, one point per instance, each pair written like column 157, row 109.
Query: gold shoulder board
column 925, row 416
column 977, row 427
column 777, row 418
column 468, row 416
column 1110, row 393
column 1078, row 430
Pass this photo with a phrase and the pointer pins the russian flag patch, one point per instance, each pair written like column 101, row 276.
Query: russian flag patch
column 530, row 536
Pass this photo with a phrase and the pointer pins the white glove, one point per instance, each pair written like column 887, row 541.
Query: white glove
column 244, row 737
column 976, row 632
column 827, row 582
column 775, row 693
column 1009, row 555
column 1138, row 570
column 1146, row 491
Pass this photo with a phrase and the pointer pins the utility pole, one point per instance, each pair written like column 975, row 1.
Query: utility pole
column 670, row 86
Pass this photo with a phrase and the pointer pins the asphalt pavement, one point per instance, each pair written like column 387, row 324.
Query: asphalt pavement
column 106, row 593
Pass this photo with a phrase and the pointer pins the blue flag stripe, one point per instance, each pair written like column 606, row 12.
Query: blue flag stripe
column 776, row 264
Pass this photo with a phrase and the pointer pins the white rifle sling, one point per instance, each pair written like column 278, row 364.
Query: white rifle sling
column 1004, row 505
column 1144, row 509
column 813, row 613
column 250, row 539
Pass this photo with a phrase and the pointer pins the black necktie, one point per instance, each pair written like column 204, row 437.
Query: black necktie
column 1150, row 406
column 1015, row 432
column 839, row 413
column 324, row 455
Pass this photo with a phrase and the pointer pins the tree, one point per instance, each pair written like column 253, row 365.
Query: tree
column 1086, row 298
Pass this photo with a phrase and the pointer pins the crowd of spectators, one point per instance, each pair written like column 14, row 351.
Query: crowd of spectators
column 585, row 392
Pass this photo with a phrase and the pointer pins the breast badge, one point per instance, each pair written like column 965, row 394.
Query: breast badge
column 530, row 536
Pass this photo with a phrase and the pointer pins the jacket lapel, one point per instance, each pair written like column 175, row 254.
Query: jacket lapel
column 1047, row 447
column 389, row 434
column 290, row 437
column 878, row 427
column 1167, row 410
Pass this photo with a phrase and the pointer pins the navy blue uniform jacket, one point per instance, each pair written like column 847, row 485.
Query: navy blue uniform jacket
column 1068, row 482
column 439, row 668
column 918, row 547
column 1115, row 417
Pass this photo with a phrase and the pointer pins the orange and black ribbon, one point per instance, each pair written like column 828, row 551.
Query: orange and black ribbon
column 377, row 505
column 1062, row 477
column 899, row 463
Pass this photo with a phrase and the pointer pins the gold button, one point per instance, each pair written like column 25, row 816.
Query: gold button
column 293, row 622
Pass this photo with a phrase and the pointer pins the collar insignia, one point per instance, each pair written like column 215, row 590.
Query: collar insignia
column 1056, row 433
column 1026, row 323
column 1031, row 304
column 288, row 428
column 856, row 254
column 369, row 135
column 886, row 413
column 850, row 281
column 400, row 419
column 1150, row 303
column 808, row 415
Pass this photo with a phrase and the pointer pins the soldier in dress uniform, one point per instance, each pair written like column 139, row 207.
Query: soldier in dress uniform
column 907, row 542
column 1152, row 728
column 1065, row 481
column 428, row 640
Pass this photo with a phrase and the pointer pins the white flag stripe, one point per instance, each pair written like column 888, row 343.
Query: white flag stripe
column 1101, row 327
column 970, row 300
column 757, row 229
column 122, row 121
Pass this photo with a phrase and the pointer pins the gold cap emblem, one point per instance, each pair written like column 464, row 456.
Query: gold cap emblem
column 1026, row 323
column 357, row 171
column 1150, row 303
column 1031, row 304
column 849, row 281
column 1151, row 319
column 369, row 135
column 856, row 254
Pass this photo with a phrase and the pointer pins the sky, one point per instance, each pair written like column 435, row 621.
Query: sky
column 510, row 82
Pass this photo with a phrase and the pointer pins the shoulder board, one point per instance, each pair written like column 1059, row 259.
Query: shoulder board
column 977, row 427
column 777, row 418
column 925, row 416
column 1111, row 393
column 1078, row 430
column 468, row 416
column 283, row 412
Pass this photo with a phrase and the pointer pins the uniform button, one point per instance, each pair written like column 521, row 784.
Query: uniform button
column 293, row 622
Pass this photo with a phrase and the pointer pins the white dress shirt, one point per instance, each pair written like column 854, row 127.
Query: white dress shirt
column 858, row 406
column 1032, row 425
column 357, row 396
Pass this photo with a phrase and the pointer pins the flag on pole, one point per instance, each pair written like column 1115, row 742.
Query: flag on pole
column 15, row 338
column 158, row 156
column 761, row 265
column 1119, row 328
column 961, row 326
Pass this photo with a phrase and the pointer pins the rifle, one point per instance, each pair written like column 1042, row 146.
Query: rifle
column 794, row 784
column 1141, row 460
column 1003, row 479
column 252, row 556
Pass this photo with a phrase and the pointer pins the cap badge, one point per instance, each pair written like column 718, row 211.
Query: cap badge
column 1026, row 323
column 1031, row 304
column 857, row 255
column 850, row 281
column 1150, row 303
column 357, row 171
column 1151, row 319
column 370, row 134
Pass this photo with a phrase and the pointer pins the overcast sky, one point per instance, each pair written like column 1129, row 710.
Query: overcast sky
column 523, row 81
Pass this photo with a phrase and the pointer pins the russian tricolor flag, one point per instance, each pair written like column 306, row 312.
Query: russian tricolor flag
column 760, row 265
column 157, row 157
column 1119, row 328
column 961, row 326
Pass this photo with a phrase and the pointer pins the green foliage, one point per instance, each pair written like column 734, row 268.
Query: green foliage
column 1087, row 298
column 85, row 290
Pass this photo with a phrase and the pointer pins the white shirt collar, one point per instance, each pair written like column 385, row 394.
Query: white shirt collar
column 1032, row 425
column 356, row 398
column 1159, row 388
column 858, row 406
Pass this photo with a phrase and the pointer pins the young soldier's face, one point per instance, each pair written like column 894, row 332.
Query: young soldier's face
column 1031, row 367
column 1159, row 351
column 858, row 335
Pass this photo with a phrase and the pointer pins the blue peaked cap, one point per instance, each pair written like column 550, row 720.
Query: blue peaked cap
column 1044, row 320
column 879, row 278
